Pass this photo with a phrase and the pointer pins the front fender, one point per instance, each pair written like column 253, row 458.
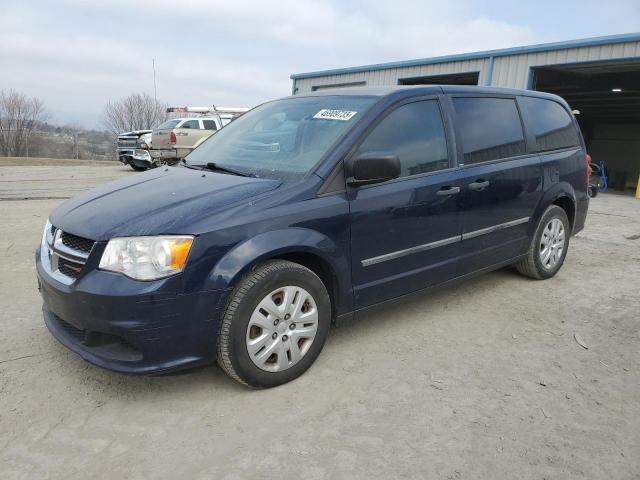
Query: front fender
column 264, row 246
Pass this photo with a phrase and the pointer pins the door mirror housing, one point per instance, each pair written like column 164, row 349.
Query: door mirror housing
column 373, row 167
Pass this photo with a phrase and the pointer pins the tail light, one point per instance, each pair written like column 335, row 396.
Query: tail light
column 172, row 138
column 587, row 159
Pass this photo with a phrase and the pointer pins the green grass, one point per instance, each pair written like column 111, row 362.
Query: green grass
column 38, row 162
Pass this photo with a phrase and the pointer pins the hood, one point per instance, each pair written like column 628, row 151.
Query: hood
column 167, row 200
column 135, row 133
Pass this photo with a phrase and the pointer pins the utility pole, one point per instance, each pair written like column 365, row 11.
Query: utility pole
column 29, row 128
column 155, row 90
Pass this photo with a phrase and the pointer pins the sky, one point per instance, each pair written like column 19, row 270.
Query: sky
column 77, row 55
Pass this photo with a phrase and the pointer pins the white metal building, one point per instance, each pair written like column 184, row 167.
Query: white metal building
column 599, row 77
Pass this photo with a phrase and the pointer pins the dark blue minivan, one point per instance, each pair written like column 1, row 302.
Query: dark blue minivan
column 308, row 210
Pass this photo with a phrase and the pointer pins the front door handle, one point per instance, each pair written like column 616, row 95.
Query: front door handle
column 479, row 185
column 448, row 191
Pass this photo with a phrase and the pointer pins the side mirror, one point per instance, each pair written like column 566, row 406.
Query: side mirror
column 373, row 167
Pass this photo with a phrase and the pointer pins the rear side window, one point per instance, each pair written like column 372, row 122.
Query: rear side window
column 489, row 128
column 209, row 124
column 415, row 133
column 191, row 124
column 550, row 123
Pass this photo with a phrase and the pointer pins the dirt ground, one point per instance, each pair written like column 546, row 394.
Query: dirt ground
column 483, row 381
column 55, row 180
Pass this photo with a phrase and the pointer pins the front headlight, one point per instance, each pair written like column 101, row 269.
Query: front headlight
column 147, row 258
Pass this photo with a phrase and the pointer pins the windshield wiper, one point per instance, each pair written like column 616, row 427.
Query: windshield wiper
column 215, row 167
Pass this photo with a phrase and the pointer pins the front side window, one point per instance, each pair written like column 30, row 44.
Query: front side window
column 550, row 123
column 283, row 139
column 415, row 133
column 169, row 124
column 489, row 128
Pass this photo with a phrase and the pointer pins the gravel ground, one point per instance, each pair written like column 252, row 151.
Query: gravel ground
column 54, row 181
column 484, row 380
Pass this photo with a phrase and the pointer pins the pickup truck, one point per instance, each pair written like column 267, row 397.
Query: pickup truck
column 133, row 149
column 176, row 138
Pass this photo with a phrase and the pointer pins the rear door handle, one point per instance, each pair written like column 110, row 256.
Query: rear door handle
column 448, row 191
column 479, row 185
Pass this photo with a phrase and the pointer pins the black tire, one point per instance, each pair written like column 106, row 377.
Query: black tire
column 232, row 354
column 593, row 191
column 532, row 266
column 138, row 169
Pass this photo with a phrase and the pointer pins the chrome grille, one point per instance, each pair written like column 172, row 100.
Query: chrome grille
column 77, row 243
column 65, row 254
column 127, row 141
column 69, row 268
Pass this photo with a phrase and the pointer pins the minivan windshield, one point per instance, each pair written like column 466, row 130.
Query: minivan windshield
column 283, row 139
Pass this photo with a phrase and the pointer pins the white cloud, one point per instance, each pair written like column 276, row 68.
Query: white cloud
column 77, row 54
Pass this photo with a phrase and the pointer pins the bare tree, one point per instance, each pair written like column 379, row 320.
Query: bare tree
column 19, row 116
column 73, row 130
column 138, row 111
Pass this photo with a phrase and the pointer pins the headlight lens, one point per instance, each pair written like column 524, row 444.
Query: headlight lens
column 147, row 258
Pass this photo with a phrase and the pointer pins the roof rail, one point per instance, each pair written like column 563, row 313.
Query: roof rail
column 208, row 110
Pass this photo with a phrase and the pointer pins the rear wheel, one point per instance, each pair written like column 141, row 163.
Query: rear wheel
column 138, row 169
column 549, row 245
column 274, row 325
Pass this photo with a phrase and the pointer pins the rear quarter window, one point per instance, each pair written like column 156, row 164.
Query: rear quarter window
column 209, row 124
column 550, row 123
column 489, row 128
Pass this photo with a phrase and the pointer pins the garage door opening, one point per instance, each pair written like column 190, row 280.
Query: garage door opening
column 468, row 78
column 607, row 95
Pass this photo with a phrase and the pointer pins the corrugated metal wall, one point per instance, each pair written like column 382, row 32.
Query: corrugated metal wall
column 508, row 71
column 376, row 78
column 513, row 71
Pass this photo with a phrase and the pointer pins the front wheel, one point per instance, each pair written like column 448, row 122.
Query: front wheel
column 549, row 245
column 138, row 169
column 274, row 325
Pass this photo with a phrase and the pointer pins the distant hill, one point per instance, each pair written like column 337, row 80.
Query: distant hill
column 52, row 141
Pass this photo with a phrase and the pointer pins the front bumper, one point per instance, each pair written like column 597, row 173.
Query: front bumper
column 137, row 156
column 129, row 326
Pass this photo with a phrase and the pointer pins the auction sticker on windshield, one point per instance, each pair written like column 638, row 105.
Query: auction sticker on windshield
column 328, row 114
